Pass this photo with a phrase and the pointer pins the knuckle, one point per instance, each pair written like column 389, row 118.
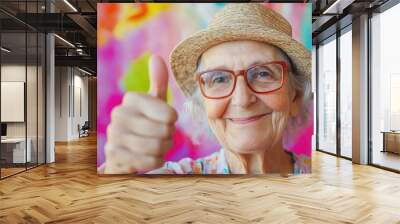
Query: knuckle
column 129, row 97
column 140, row 122
column 153, row 147
column 112, row 131
column 115, row 113
column 175, row 114
column 128, row 141
column 172, row 115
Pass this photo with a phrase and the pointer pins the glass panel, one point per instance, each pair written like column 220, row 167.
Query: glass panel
column 346, row 94
column 13, row 92
column 13, row 87
column 327, row 96
column 41, row 99
column 385, row 86
column 31, row 100
column 23, row 81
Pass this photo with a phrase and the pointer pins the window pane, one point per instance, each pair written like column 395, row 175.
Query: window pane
column 385, row 89
column 31, row 100
column 346, row 94
column 15, row 150
column 41, row 98
column 327, row 97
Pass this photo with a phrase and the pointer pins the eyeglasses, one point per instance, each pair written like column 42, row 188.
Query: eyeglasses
column 262, row 78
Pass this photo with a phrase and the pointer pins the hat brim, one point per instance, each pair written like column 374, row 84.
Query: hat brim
column 183, row 58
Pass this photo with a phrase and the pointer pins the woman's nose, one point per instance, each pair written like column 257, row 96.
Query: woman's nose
column 242, row 95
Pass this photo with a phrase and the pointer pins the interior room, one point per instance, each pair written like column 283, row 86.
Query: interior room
column 49, row 96
column 22, row 102
column 385, row 106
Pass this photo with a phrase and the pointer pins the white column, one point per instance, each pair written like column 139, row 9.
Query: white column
column 360, row 90
column 50, row 93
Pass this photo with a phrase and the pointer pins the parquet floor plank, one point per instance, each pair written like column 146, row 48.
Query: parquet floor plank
column 70, row 191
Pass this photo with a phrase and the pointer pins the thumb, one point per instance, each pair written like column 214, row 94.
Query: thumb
column 158, row 77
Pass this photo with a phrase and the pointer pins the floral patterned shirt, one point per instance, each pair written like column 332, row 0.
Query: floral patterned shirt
column 217, row 164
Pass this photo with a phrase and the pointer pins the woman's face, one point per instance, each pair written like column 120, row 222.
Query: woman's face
column 247, row 122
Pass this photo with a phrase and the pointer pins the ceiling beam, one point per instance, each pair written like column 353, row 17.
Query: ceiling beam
column 337, row 7
column 82, row 61
column 86, row 26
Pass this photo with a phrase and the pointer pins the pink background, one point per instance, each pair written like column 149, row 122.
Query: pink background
column 128, row 33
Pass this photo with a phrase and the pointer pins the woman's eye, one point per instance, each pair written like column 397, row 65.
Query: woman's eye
column 217, row 79
column 263, row 76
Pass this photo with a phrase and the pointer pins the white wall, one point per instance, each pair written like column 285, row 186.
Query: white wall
column 16, row 73
column 33, row 127
column 61, row 103
column 71, row 93
column 81, row 100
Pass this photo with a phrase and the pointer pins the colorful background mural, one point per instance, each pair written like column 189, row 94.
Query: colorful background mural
column 129, row 33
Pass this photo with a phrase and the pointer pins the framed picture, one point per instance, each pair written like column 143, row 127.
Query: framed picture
column 216, row 88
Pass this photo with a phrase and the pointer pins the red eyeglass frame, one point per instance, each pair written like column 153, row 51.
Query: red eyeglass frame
column 243, row 73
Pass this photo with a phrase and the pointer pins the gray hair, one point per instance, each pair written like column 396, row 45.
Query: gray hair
column 195, row 108
column 288, row 127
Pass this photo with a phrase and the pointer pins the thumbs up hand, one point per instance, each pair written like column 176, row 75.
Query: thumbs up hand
column 141, row 128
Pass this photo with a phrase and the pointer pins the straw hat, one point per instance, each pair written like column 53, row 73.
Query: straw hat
column 237, row 21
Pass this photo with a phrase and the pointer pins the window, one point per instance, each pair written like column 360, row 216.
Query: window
column 385, row 89
column 346, row 93
column 327, row 96
column 22, row 75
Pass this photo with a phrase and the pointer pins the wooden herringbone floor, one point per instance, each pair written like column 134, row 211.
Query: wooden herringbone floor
column 70, row 191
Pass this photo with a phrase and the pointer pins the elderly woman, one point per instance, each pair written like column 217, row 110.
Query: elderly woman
column 245, row 74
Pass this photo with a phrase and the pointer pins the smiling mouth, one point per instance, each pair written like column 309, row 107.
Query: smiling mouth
column 246, row 120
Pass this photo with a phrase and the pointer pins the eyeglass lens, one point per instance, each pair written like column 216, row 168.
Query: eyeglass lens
column 262, row 78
